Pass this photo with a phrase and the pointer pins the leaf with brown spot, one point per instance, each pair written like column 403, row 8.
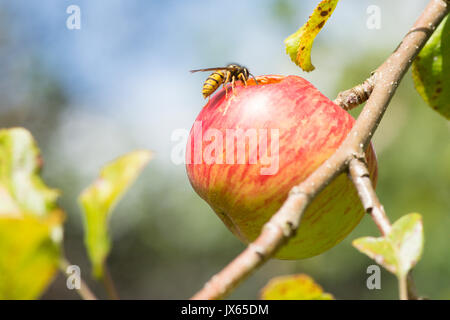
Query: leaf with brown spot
column 299, row 44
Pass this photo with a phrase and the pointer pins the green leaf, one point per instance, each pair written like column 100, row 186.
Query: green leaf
column 30, row 222
column 400, row 250
column 380, row 250
column 299, row 44
column 294, row 287
column 99, row 199
column 406, row 237
column 431, row 70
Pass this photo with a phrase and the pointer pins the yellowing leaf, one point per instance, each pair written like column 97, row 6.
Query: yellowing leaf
column 294, row 287
column 100, row 198
column 29, row 254
column 299, row 44
column 21, row 187
column 431, row 70
column 400, row 250
column 30, row 222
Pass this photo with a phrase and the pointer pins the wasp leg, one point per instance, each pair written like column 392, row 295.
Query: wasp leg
column 242, row 78
column 227, row 79
column 233, row 83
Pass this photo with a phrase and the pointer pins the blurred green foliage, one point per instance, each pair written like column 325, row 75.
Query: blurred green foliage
column 99, row 200
column 294, row 287
column 30, row 221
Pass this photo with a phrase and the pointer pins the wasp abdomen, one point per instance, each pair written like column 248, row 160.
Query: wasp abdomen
column 212, row 83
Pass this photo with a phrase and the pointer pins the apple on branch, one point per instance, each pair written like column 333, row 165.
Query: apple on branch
column 247, row 150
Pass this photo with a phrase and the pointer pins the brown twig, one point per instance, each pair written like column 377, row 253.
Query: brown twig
column 285, row 222
column 108, row 283
column 412, row 290
column 359, row 174
column 355, row 96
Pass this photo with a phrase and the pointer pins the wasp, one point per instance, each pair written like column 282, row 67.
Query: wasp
column 223, row 75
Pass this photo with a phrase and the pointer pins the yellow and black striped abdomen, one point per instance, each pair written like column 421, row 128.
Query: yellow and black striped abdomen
column 213, row 82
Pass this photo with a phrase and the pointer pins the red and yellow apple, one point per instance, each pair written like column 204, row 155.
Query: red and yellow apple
column 249, row 147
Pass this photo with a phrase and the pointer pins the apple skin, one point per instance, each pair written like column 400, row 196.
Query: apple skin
column 311, row 127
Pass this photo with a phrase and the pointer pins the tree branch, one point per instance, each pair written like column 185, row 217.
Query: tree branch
column 285, row 222
column 359, row 173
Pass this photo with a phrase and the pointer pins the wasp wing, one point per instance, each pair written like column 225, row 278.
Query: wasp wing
column 212, row 69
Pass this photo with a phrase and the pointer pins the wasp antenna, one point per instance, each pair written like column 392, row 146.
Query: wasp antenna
column 254, row 78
